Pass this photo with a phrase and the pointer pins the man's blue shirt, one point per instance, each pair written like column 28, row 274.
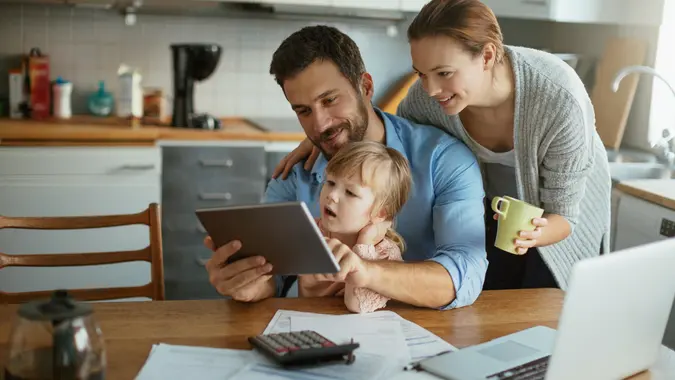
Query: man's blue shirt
column 443, row 219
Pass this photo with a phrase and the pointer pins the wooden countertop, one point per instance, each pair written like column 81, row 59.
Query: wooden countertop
column 131, row 328
column 659, row 191
column 88, row 130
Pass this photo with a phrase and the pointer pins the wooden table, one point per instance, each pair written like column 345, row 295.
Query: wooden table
column 130, row 329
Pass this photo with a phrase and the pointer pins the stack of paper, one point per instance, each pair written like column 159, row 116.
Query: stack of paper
column 387, row 342
column 183, row 362
column 421, row 343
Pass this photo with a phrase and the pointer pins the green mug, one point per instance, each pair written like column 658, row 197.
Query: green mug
column 514, row 216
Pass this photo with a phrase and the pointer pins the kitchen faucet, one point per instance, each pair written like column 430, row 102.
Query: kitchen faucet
column 667, row 141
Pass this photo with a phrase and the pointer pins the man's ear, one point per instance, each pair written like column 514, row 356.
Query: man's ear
column 367, row 86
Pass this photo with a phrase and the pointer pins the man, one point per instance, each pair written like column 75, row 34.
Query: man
column 323, row 77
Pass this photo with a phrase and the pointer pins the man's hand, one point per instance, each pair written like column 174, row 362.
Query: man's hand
column 245, row 280
column 353, row 269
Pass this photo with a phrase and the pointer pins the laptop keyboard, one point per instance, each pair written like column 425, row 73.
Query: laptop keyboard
column 533, row 370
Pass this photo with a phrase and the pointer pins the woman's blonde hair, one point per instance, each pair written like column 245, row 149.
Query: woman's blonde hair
column 380, row 168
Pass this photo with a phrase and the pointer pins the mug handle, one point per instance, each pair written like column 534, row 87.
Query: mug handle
column 496, row 206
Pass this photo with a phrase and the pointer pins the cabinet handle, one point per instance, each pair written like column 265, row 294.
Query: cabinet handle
column 534, row 2
column 201, row 261
column 228, row 163
column 215, row 196
column 138, row 167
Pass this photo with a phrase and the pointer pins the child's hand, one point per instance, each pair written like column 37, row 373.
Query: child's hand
column 372, row 234
column 353, row 269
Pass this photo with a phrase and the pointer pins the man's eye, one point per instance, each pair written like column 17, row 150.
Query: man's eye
column 445, row 73
column 350, row 193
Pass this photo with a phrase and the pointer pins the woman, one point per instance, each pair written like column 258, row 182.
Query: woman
column 529, row 120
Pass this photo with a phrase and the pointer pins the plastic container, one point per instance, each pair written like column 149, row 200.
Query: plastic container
column 130, row 95
column 62, row 91
column 101, row 102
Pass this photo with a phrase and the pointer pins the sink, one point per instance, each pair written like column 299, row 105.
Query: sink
column 626, row 171
column 630, row 155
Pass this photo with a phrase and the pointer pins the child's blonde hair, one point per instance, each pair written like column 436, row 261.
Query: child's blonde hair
column 380, row 168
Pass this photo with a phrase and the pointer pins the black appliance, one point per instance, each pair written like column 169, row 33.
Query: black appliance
column 192, row 62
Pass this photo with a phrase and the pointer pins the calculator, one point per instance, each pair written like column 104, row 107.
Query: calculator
column 303, row 349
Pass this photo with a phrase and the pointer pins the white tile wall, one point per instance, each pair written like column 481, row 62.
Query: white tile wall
column 86, row 46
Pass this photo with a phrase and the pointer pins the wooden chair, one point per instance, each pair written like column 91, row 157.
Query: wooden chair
column 152, row 254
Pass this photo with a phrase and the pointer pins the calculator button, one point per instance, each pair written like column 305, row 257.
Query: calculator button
column 328, row 344
column 316, row 345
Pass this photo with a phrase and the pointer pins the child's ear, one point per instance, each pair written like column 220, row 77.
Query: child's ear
column 379, row 217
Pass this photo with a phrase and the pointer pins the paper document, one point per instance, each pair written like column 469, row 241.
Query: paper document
column 421, row 342
column 366, row 367
column 383, row 338
column 185, row 362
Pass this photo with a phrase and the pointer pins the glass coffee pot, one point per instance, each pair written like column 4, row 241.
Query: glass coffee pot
column 55, row 339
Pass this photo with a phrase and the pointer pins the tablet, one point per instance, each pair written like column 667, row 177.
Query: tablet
column 284, row 233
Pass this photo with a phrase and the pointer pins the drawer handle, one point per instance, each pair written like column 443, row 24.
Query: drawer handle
column 202, row 261
column 215, row 196
column 138, row 167
column 534, row 2
column 228, row 163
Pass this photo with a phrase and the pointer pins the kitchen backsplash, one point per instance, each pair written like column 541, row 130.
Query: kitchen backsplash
column 87, row 45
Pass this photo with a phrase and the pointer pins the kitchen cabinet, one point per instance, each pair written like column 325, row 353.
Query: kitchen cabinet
column 583, row 11
column 412, row 5
column 368, row 4
column 202, row 176
column 69, row 181
column 639, row 222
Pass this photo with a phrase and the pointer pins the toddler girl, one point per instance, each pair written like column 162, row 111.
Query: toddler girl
column 366, row 183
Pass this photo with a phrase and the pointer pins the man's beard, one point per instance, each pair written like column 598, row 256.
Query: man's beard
column 356, row 128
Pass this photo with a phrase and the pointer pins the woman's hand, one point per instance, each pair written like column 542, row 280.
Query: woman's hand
column 528, row 239
column 304, row 150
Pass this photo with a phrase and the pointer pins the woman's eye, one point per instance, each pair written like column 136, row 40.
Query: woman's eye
column 330, row 183
column 351, row 194
column 445, row 74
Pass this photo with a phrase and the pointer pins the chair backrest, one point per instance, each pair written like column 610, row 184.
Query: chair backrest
column 152, row 254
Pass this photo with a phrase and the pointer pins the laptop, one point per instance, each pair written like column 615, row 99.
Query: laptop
column 612, row 323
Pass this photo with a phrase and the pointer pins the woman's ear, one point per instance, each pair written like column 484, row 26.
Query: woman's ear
column 489, row 56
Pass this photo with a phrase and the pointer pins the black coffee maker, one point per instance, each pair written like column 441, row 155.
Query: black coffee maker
column 192, row 62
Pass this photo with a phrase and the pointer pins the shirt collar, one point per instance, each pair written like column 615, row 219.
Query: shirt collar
column 391, row 139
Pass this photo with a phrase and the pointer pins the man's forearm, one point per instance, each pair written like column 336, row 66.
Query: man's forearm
column 425, row 284
column 557, row 229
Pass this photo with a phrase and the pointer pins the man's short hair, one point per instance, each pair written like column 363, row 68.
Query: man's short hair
column 317, row 43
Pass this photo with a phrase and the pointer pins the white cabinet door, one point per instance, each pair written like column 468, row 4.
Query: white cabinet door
column 413, row 5
column 76, row 195
column 640, row 222
column 298, row 2
column 369, row 4
column 528, row 9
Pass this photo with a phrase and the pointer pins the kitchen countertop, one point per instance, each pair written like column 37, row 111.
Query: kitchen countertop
column 88, row 130
column 659, row 191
